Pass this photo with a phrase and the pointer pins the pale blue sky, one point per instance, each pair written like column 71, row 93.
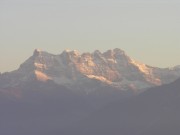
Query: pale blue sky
column 148, row 30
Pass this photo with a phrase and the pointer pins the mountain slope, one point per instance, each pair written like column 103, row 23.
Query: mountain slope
column 155, row 111
column 40, row 107
column 37, row 107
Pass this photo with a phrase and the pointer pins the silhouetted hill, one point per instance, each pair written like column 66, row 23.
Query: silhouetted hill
column 35, row 107
column 154, row 112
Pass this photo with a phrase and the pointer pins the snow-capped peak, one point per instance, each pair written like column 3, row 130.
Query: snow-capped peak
column 71, row 68
column 37, row 52
column 117, row 50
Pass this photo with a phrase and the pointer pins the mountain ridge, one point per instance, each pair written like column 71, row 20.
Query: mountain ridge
column 75, row 70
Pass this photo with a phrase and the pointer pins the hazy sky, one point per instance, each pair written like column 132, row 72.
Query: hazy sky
column 148, row 30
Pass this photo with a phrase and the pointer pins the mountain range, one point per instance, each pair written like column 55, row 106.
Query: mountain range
column 86, row 71
column 95, row 93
